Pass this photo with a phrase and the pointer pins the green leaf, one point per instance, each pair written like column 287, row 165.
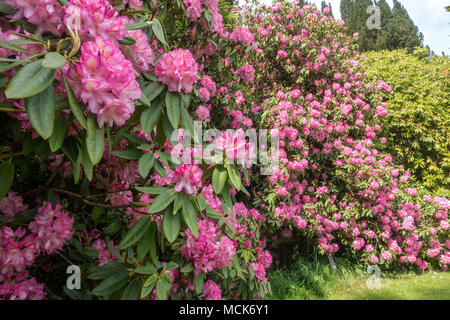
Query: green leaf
column 152, row 91
column 170, row 266
column 7, row 9
column 41, row 111
column 234, row 177
column 151, row 281
column 89, row 252
column 152, row 249
column 30, row 80
column 171, row 225
column 173, row 108
column 132, row 290
column 86, row 162
column 149, row 118
column 189, row 215
column 163, row 288
column 160, row 169
column 60, row 132
column 6, row 177
column 159, row 31
column 111, row 284
column 147, row 269
column 12, row 47
column 179, row 202
column 95, row 140
column 53, row 60
column 3, row 80
column 138, row 25
column 187, row 268
column 186, row 121
column 70, row 149
column 162, row 201
column 132, row 154
column 152, row 190
column 136, row 232
column 127, row 41
column 199, row 284
column 144, row 244
column 146, row 162
column 74, row 105
column 219, row 178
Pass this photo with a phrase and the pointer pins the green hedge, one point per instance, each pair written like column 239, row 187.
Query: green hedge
column 418, row 125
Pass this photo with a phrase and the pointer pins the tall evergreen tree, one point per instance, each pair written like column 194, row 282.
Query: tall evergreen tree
column 397, row 28
column 345, row 8
column 401, row 29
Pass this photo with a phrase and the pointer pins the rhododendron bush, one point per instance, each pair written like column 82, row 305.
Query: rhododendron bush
column 97, row 99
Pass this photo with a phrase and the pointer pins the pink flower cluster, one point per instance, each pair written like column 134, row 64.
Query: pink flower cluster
column 94, row 18
column 206, row 252
column 178, row 70
column 105, row 80
column 52, row 228
column 211, row 291
column 45, row 14
column 247, row 73
column 12, row 204
column 186, row 177
column 242, row 36
column 49, row 230
column 104, row 255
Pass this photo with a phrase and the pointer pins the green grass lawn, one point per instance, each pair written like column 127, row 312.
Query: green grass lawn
column 316, row 280
column 430, row 286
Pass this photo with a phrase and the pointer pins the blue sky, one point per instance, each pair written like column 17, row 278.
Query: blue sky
column 428, row 15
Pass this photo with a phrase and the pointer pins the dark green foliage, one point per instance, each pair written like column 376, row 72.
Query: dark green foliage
column 397, row 30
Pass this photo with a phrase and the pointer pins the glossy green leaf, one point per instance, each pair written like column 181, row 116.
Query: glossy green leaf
column 162, row 201
column 219, row 178
column 74, row 105
column 171, row 225
column 235, row 178
column 30, row 80
column 53, row 60
column 189, row 214
column 111, row 284
column 136, row 232
column 132, row 290
column 95, row 140
column 41, row 111
column 146, row 162
column 6, row 177
column 60, row 131
column 173, row 108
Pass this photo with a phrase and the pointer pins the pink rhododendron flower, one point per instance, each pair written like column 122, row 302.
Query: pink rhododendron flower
column 12, row 204
column 52, row 228
column 211, row 291
column 45, row 14
column 247, row 73
column 107, row 82
column 94, row 18
column 178, row 70
column 188, row 178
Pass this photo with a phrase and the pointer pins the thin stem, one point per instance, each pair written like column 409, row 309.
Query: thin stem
column 93, row 204
column 12, row 110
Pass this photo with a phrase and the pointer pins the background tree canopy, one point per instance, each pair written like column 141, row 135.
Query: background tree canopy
column 397, row 31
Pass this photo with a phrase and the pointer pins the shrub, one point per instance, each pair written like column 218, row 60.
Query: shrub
column 417, row 125
column 98, row 100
